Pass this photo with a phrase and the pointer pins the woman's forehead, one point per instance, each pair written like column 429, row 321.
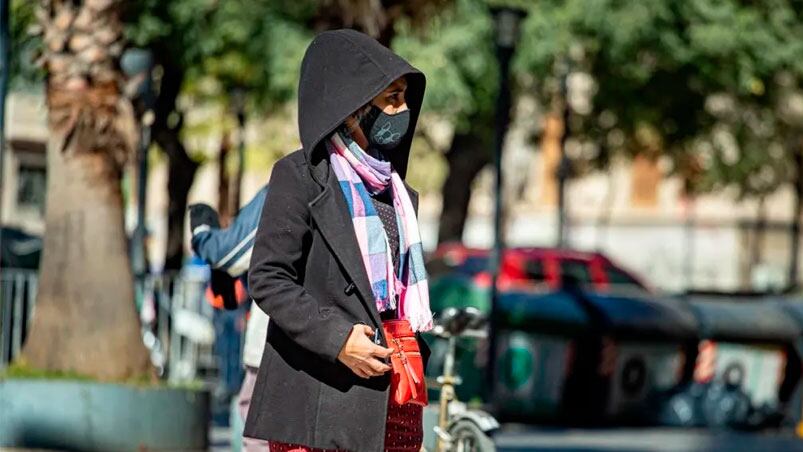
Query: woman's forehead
column 399, row 84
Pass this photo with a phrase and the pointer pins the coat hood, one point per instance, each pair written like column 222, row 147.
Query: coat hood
column 343, row 70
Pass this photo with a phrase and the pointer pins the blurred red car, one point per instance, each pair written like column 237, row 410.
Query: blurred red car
column 528, row 267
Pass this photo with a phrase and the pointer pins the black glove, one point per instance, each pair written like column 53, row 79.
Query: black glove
column 203, row 214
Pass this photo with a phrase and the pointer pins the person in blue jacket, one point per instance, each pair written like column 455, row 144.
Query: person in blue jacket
column 226, row 249
column 228, row 252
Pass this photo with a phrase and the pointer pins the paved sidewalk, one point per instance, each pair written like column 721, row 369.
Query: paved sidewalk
column 525, row 438
column 643, row 439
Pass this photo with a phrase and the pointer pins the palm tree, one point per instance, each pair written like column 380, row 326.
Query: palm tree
column 85, row 320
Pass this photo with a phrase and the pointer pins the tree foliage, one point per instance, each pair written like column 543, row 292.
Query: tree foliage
column 713, row 85
column 25, row 46
column 251, row 45
column 258, row 45
column 455, row 51
column 707, row 78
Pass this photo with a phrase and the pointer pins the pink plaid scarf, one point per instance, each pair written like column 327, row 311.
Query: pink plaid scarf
column 359, row 174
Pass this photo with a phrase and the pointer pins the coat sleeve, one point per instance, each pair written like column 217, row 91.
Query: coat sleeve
column 230, row 249
column 275, row 277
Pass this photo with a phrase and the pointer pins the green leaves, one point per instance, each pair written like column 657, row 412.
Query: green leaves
column 251, row 45
column 455, row 50
column 24, row 46
column 657, row 64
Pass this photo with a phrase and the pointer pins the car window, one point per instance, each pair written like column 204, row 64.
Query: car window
column 469, row 267
column 576, row 270
column 534, row 270
column 473, row 265
column 618, row 277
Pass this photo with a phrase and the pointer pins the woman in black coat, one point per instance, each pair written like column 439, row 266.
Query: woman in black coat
column 323, row 382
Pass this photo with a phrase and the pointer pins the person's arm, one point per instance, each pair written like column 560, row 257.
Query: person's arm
column 277, row 267
column 230, row 249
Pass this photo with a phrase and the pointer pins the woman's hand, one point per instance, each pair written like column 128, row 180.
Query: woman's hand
column 361, row 355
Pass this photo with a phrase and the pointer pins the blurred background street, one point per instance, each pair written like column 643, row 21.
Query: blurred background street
column 523, row 438
column 611, row 197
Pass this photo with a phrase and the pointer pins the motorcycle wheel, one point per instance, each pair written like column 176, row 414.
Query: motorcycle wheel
column 468, row 437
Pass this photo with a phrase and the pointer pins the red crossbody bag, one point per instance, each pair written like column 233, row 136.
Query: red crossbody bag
column 407, row 382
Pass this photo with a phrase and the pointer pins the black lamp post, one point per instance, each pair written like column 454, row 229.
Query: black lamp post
column 238, row 105
column 137, row 64
column 564, row 169
column 506, row 35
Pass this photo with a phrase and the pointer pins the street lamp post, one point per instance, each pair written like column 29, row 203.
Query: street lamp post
column 238, row 105
column 506, row 27
column 563, row 171
column 137, row 64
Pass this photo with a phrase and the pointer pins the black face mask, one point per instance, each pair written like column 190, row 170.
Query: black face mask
column 383, row 131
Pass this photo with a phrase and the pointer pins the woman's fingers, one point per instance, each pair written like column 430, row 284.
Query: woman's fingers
column 360, row 353
column 359, row 368
column 360, row 373
column 380, row 351
column 377, row 367
column 368, row 331
column 368, row 371
column 370, row 367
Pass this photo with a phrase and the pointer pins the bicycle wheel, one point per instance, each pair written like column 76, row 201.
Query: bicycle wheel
column 468, row 437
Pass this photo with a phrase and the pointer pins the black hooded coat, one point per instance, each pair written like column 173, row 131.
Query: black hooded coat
column 306, row 269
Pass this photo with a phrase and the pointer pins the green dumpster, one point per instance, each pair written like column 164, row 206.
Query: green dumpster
column 536, row 341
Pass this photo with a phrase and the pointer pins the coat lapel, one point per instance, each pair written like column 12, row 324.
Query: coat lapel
column 330, row 212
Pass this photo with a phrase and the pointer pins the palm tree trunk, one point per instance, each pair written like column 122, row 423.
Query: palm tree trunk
column 85, row 319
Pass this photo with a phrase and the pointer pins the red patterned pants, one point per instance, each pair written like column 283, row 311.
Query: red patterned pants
column 404, row 432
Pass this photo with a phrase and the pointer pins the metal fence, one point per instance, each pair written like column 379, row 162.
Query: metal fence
column 177, row 323
column 17, row 299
